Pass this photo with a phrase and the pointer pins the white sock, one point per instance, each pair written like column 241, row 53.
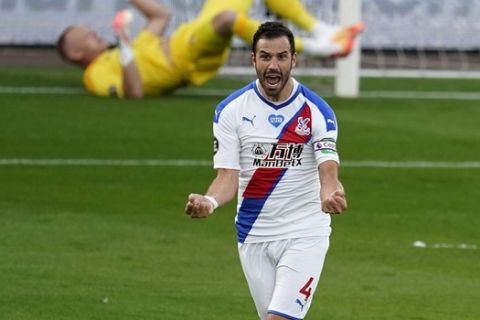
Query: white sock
column 314, row 47
column 321, row 29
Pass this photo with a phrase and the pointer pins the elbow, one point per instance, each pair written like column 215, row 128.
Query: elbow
column 167, row 15
column 163, row 13
column 133, row 90
column 136, row 94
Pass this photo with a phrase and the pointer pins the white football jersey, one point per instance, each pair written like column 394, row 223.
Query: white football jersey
column 277, row 148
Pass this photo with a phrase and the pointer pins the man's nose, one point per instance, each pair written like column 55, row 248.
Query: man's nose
column 273, row 65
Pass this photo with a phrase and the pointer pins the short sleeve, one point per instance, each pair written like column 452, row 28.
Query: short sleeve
column 325, row 133
column 226, row 141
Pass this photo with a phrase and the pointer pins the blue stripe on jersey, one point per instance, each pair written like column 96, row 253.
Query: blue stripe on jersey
column 230, row 98
column 323, row 106
column 247, row 215
column 276, row 107
column 250, row 209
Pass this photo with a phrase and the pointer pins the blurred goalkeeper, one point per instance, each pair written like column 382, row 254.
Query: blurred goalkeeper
column 152, row 64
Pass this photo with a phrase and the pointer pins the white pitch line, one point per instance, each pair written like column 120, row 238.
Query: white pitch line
column 465, row 246
column 412, row 164
column 208, row 163
column 421, row 95
column 41, row 90
column 106, row 162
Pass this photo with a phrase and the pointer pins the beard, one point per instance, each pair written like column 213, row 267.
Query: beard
column 273, row 83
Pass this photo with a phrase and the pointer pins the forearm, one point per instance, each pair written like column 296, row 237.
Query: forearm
column 132, row 81
column 151, row 8
column 328, row 172
column 332, row 193
column 224, row 187
column 222, row 190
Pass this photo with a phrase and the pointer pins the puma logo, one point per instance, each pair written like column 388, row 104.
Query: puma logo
column 249, row 120
column 300, row 303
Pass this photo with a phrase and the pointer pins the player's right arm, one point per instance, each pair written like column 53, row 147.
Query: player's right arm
column 221, row 191
column 226, row 150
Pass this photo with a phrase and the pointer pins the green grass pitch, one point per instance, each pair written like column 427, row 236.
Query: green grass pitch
column 112, row 242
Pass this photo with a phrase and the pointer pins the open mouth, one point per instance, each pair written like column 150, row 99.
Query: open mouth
column 273, row 80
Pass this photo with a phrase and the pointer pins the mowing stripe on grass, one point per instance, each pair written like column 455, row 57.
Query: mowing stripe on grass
column 208, row 163
column 451, row 95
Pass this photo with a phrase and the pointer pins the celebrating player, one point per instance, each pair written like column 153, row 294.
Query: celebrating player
column 152, row 64
column 275, row 147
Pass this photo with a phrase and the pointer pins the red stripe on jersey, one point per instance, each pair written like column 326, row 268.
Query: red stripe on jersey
column 264, row 180
column 290, row 132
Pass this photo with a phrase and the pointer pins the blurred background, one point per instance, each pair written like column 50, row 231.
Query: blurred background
column 425, row 38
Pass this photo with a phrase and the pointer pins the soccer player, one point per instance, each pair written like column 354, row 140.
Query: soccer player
column 153, row 64
column 275, row 148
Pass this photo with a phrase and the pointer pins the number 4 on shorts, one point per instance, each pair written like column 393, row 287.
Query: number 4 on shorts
column 306, row 289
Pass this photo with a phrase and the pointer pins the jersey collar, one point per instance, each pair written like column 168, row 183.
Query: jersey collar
column 281, row 104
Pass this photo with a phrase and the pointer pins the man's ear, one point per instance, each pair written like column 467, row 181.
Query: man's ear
column 252, row 58
column 75, row 55
column 294, row 59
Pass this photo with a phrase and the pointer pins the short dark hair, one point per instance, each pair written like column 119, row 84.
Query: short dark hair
column 61, row 44
column 272, row 30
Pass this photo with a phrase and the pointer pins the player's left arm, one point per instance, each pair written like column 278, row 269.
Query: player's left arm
column 157, row 14
column 158, row 17
column 332, row 193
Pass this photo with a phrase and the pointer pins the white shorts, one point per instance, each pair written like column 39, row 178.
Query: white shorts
column 282, row 275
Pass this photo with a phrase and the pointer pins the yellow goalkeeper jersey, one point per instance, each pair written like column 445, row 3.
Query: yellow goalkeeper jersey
column 103, row 76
